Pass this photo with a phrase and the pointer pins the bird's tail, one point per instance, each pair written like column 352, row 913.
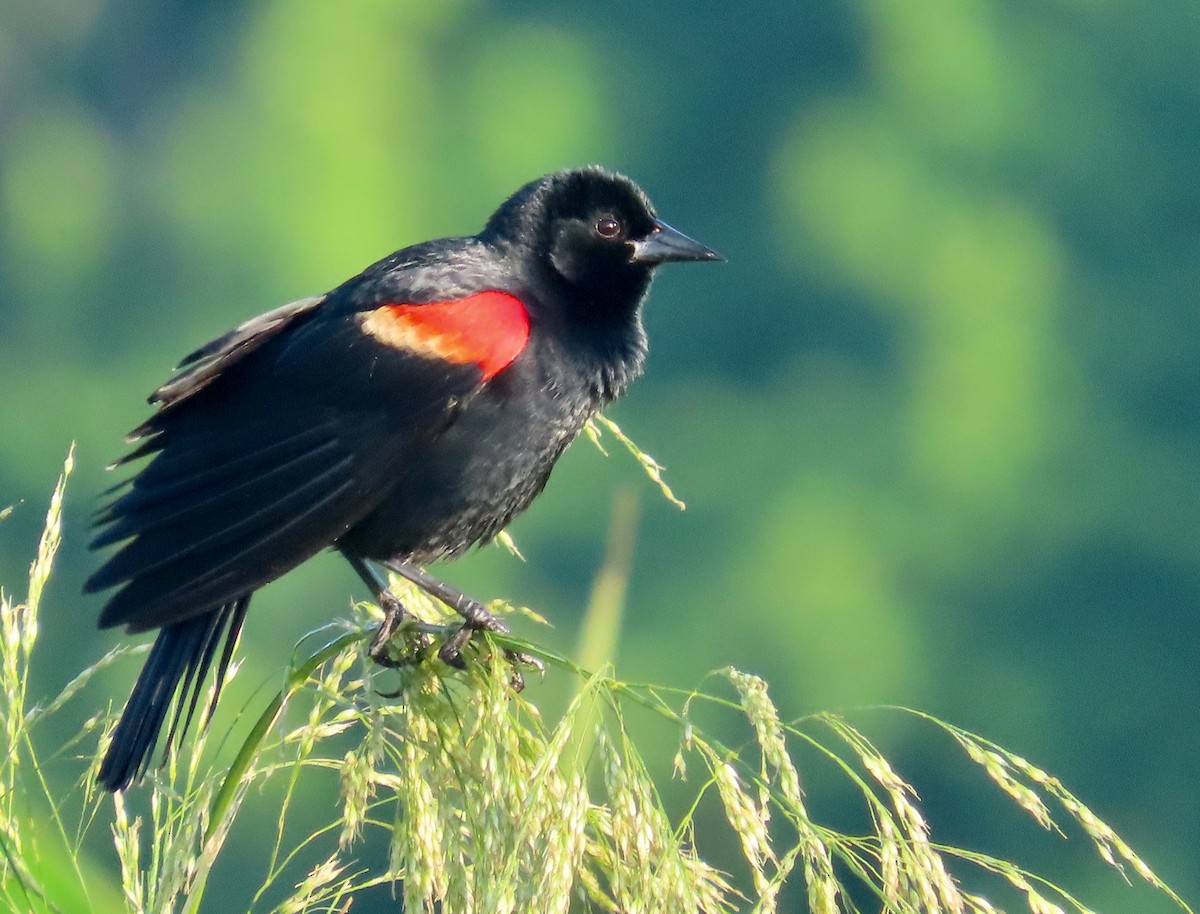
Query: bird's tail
column 174, row 672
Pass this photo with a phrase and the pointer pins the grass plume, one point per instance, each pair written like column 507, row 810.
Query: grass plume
column 485, row 805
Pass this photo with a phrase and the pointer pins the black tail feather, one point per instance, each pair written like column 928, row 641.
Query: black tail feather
column 174, row 672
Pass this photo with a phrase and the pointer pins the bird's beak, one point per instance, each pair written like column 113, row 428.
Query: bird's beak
column 665, row 243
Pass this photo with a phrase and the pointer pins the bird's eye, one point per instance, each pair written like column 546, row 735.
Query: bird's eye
column 608, row 227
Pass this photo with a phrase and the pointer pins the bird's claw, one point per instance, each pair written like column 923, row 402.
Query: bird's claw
column 396, row 619
column 416, row 646
column 451, row 652
column 476, row 617
column 518, row 659
column 418, row 641
column 521, row 658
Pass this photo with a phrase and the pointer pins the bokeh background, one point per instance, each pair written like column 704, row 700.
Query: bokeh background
column 935, row 420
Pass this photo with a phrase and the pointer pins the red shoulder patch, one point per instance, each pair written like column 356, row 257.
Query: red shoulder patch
column 487, row 329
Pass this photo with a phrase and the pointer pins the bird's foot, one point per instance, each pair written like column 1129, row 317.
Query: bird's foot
column 419, row 637
column 476, row 617
column 451, row 650
column 394, row 618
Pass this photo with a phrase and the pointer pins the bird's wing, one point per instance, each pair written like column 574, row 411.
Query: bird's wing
column 200, row 367
column 279, row 436
column 223, row 513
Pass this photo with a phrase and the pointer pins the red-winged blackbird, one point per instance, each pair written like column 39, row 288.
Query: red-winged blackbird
column 401, row 418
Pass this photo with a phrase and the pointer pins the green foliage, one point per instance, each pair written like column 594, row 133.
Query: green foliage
column 487, row 806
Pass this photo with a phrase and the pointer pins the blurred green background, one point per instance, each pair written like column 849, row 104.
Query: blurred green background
column 935, row 421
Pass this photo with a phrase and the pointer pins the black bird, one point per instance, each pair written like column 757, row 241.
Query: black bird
column 401, row 418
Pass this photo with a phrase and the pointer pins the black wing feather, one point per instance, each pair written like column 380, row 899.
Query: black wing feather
column 206, row 363
column 256, row 529
column 188, row 497
column 161, row 489
column 171, row 579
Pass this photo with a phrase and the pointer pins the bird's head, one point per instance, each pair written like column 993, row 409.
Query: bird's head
column 593, row 230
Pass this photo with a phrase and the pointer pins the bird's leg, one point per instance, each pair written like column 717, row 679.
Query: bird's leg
column 476, row 617
column 394, row 613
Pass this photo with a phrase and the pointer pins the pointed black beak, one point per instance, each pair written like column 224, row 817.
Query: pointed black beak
column 665, row 243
